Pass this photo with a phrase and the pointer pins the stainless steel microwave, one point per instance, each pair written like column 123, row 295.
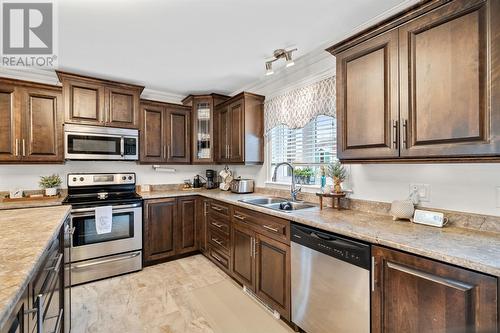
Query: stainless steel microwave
column 83, row 142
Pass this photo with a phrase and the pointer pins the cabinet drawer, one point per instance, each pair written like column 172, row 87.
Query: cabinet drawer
column 218, row 224
column 218, row 258
column 219, row 240
column 274, row 227
column 219, row 208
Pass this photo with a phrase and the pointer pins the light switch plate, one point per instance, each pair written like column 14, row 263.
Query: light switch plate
column 423, row 190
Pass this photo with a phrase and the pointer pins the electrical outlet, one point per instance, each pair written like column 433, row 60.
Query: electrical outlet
column 423, row 190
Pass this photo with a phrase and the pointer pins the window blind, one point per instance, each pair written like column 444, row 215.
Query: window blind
column 313, row 144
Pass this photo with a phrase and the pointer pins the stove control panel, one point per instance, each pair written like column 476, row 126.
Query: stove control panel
column 96, row 179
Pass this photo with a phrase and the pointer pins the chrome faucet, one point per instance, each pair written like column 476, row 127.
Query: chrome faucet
column 293, row 190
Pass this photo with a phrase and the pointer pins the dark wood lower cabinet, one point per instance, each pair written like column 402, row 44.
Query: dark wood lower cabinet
column 170, row 228
column 273, row 274
column 186, row 225
column 203, row 225
column 413, row 294
column 243, row 254
column 159, row 229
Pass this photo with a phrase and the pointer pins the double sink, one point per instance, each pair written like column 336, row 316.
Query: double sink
column 279, row 204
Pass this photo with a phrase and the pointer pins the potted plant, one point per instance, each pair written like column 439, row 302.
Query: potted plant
column 50, row 184
column 338, row 173
column 307, row 173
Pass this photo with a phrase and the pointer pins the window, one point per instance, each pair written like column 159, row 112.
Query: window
column 305, row 148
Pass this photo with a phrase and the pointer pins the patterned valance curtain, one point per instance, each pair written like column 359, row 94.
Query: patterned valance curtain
column 298, row 107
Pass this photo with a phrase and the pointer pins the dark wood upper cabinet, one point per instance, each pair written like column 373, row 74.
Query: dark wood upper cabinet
column 412, row 294
column 43, row 138
column 160, row 216
column 99, row 102
column 240, row 130
column 202, row 118
column 152, row 133
column 122, row 107
column 178, row 136
column 10, row 124
column 165, row 133
column 187, row 225
column 445, row 109
column 367, row 99
column 422, row 86
column 31, row 122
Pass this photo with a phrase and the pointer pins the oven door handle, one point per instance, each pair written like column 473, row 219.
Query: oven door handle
column 122, row 146
column 106, row 261
column 115, row 208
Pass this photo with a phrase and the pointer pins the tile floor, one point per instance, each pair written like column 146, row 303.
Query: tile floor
column 182, row 296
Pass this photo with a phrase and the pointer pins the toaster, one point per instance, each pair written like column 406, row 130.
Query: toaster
column 242, row 185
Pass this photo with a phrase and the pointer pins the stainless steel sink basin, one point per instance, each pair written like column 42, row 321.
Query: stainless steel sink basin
column 281, row 204
column 264, row 201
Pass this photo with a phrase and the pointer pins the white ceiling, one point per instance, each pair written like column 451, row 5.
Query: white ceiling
column 194, row 46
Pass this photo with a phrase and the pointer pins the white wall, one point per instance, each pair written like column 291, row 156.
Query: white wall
column 27, row 176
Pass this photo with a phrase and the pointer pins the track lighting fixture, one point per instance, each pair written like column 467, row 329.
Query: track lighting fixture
column 278, row 54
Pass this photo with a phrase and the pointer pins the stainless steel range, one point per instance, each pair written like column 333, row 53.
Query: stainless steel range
column 118, row 250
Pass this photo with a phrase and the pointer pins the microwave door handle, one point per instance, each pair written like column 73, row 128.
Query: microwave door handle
column 122, row 146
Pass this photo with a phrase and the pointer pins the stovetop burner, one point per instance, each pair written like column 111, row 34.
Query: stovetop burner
column 101, row 189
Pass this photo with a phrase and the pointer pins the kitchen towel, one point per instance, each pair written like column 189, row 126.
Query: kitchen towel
column 103, row 219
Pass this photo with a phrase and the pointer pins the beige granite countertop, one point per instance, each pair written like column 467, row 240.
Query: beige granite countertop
column 25, row 235
column 31, row 203
column 467, row 248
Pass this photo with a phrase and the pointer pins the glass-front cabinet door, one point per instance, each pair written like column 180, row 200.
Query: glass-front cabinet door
column 203, row 131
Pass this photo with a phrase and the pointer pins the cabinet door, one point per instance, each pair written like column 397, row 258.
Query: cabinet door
column 178, row 135
column 122, row 107
column 43, row 115
column 237, row 124
column 273, row 273
column 84, row 102
column 153, row 148
column 367, row 99
column 10, row 121
column 242, row 255
column 412, row 294
column 203, row 136
column 224, row 134
column 186, row 225
column 203, row 226
column 159, row 229
column 445, row 110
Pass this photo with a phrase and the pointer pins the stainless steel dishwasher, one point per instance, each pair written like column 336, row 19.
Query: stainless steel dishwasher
column 330, row 282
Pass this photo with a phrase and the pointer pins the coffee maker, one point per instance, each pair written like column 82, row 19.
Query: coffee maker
column 211, row 179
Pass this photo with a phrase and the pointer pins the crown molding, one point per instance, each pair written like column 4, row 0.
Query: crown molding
column 50, row 77
column 315, row 65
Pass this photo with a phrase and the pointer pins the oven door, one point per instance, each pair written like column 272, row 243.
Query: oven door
column 125, row 235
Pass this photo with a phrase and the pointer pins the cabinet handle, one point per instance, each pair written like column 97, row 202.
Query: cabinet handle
column 430, row 277
column 24, row 147
column 270, row 228
column 405, row 133
column 217, row 225
column 395, row 133
column 57, row 266
column 17, row 147
column 216, row 208
column 217, row 241
column 205, row 210
column 239, row 217
column 217, row 258
column 373, row 273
